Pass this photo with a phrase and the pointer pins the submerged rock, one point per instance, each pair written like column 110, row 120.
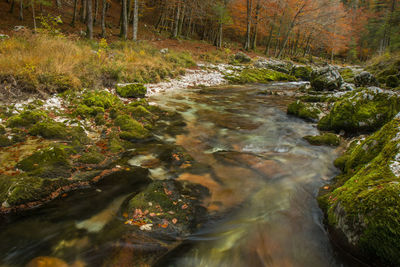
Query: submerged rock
column 362, row 204
column 326, row 79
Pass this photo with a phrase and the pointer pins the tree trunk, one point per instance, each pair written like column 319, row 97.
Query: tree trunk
column 12, row 7
column 96, row 11
column 176, row 22
column 89, row 19
column 74, row 13
column 83, row 10
column 58, row 3
column 135, row 19
column 21, row 10
column 103, row 19
column 182, row 18
column 249, row 7
column 254, row 39
column 189, row 23
column 267, row 47
column 219, row 44
column 33, row 15
column 124, row 21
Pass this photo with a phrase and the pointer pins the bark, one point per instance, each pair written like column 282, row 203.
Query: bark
column 12, row 7
column 176, row 22
column 135, row 19
column 219, row 44
column 268, row 45
column 248, row 31
column 33, row 15
column 96, row 11
column 84, row 10
column 124, row 21
column 89, row 19
column 103, row 18
column 21, row 10
column 254, row 39
column 74, row 13
column 182, row 18
column 58, row 3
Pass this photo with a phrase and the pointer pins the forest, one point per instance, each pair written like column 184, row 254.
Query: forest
column 350, row 30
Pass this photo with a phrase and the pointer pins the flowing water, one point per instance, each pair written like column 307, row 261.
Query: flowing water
column 262, row 176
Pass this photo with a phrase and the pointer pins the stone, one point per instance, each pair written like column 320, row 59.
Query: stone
column 242, row 58
column 326, row 79
column 365, row 79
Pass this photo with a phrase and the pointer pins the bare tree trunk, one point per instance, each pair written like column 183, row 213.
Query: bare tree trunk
column 21, row 10
column 248, row 31
column 219, row 44
column 96, row 11
column 89, row 19
column 33, row 15
column 83, row 10
column 124, row 21
column 74, row 13
column 103, row 19
column 267, row 47
column 176, row 22
column 58, row 3
column 182, row 18
column 189, row 23
column 135, row 19
column 254, row 39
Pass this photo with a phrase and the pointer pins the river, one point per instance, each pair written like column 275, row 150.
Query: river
column 262, row 176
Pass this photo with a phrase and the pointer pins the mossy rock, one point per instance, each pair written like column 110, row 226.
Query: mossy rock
column 326, row 79
column 50, row 129
column 302, row 72
column 251, row 75
column 361, row 111
column 84, row 111
column 362, row 203
column 92, row 157
column 392, row 81
column 303, row 110
column 2, row 129
column 47, row 163
column 101, row 99
column 5, row 141
column 131, row 129
column 135, row 90
column 328, row 139
column 26, row 118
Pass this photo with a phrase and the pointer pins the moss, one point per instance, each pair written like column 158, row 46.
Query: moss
column 361, row 110
column 364, row 201
column 50, row 129
column 328, row 139
column 347, row 75
column 91, row 157
column 302, row 72
column 101, row 99
column 132, row 90
column 340, row 162
column 2, row 129
column 131, row 129
column 5, row 141
column 47, row 163
column 392, row 81
column 250, row 75
column 26, row 118
column 303, row 110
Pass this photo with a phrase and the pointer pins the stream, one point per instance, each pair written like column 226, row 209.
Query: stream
column 262, row 176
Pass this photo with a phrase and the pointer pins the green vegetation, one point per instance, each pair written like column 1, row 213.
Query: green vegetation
column 131, row 90
column 347, row 75
column 26, row 118
column 131, row 129
column 251, row 75
column 303, row 110
column 328, row 139
column 302, row 72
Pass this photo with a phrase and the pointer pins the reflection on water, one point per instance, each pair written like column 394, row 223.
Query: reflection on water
column 262, row 177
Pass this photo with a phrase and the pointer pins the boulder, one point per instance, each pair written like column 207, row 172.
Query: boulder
column 362, row 204
column 273, row 64
column 365, row 79
column 326, row 79
column 302, row 72
column 132, row 90
column 242, row 57
column 303, row 110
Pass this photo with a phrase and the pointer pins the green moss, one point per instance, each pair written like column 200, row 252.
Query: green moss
column 5, row 141
column 302, row 72
column 132, row 90
column 50, row 129
column 131, row 129
column 101, row 99
column 328, row 139
column 303, row 110
column 26, row 118
column 347, row 75
column 91, row 157
column 392, row 81
column 2, row 129
column 363, row 202
column 361, row 110
column 250, row 75
column 47, row 163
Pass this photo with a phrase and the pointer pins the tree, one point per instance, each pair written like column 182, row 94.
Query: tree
column 89, row 19
column 135, row 19
column 124, row 21
column 103, row 18
column 248, row 31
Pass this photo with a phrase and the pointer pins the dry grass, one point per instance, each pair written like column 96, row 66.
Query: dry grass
column 49, row 63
